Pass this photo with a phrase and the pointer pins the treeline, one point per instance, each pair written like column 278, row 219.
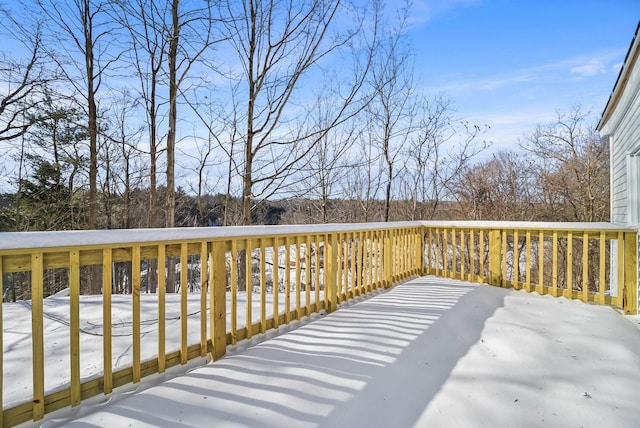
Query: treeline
column 129, row 114
column 560, row 172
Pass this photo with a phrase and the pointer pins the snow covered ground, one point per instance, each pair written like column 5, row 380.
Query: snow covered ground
column 17, row 346
column 428, row 353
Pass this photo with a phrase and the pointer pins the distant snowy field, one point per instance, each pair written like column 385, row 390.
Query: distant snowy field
column 17, row 344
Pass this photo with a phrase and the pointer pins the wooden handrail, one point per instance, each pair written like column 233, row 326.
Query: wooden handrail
column 297, row 270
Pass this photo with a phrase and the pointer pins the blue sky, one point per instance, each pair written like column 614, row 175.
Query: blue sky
column 512, row 64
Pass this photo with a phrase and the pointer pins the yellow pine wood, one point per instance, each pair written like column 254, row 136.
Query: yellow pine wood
column 162, row 289
column 410, row 255
column 339, row 261
column 184, row 313
column 516, row 260
column 494, row 257
column 462, row 256
column 438, row 250
column 413, row 257
column 445, row 254
column 316, row 266
column 356, row 270
column 234, row 292
column 331, row 271
column 405, row 256
column 370, row 262
column 417, row 262
column 346, row 265
column 454, row 251
column 554, row 264
column 218, row 297
column 406, row 250
column 298, row 277
column 429, row 254
column 276, row 281
column 307, row 274
column 399, row 255
column 361, row 262
column 287, row 280
column 620, row 293
column 1, row 346
column 472, row 256
column 263, row 287
column 503, row 259
column 527, row 279
column 135, row 291
column 107, row 353
column 482, row 257
column 601, row 270
column 388, row 258
column 400, row 246
column 540, row 261
column 37, row 334
column 351, row 257
column 585, row 266
column 74, row 325
column 374, row 257
column 569, row 288
column 375, row 260
column 380, row 270
column 248, row 287
column 630, row 273
column 204, row 265
column 418, row 253
column 378, row 257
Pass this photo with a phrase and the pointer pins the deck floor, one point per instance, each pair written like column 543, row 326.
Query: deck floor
column 428, row 353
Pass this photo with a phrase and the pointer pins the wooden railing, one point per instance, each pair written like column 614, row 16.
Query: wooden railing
column 229, row 284
column 289, row 272
column 592, row 262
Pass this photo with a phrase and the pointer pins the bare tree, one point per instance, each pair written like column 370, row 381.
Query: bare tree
column 364, row 182
column 83, row 52
column 190, row 36
column 278, row 44
column 393, row 107
column 145, row 21
column 22, row 82
column 575, row 160
column 500, row 188
column 329, row 162
column 437, row 156
column 121, row 158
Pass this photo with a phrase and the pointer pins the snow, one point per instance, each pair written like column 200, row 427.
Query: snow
column 430, row 352
column 71, row 238
column 17, row 335
column 74, row 238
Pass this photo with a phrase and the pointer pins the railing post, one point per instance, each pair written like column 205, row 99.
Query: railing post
column 37, row 333
column 1, row 348
column 331, row 271
column 388, row 258
column 494, row 257
column 219, row 299
column 421, row 250
column 630, row 293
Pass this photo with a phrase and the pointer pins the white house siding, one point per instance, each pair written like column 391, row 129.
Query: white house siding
column 621, row 124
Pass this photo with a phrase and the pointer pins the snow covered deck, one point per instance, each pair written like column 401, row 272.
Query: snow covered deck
column 430, row 352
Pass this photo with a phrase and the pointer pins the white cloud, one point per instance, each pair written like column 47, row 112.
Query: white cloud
column 592, row 68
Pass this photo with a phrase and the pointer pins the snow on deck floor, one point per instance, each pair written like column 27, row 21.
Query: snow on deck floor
column 428, row 353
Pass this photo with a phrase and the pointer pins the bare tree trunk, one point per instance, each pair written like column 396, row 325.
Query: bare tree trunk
column 170, row 204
